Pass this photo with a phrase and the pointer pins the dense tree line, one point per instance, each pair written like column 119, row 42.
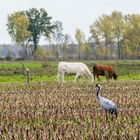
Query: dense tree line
column 114, row 36
column 122, row 31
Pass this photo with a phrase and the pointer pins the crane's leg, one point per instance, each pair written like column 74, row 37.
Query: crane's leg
column 112, row 115
column 105, row 114
column 116, row 114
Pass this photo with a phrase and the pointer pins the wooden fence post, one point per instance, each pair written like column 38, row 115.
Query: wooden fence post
column 27, row 76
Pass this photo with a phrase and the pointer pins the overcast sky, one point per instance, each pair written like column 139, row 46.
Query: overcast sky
column 72, row 13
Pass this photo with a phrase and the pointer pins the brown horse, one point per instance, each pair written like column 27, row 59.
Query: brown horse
column 104, row 70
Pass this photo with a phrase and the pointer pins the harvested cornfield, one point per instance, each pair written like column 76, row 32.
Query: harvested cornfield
column 68, row 110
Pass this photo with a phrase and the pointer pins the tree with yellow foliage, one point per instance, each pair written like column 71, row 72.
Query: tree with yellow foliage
column 18, row 27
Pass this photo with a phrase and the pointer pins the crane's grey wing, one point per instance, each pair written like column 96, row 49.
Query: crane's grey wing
column 107, row 104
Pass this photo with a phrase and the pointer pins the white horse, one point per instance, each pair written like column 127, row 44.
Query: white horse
column 77, row 68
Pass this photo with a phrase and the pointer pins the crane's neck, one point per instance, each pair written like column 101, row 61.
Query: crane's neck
column 97, row 93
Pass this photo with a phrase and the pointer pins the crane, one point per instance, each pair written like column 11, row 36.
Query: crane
column 108, row 105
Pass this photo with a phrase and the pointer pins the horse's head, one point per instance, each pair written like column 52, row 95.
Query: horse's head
column 90, row 76
column 115, row 76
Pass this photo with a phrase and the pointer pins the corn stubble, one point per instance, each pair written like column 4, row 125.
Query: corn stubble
column 68, row 111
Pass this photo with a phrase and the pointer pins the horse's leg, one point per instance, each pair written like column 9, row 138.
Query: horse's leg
column 107, row 75
column 63, row 74
column 98, row 77
column 58, row 76
column 108, row 79
column 94, row 77
column 77, row 75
